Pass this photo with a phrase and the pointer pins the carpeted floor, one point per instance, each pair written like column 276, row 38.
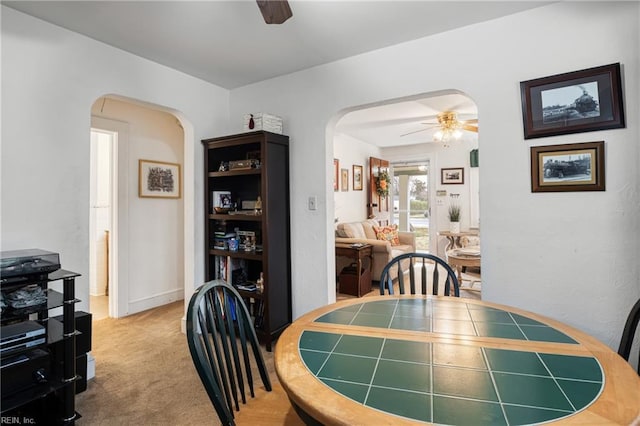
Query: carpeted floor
column 144, row 373
column 145, row 376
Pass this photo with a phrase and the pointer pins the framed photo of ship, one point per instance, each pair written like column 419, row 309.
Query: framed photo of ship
column 578, row 101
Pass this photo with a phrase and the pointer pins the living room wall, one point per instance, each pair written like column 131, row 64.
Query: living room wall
column 565, row 255
column 351, row 206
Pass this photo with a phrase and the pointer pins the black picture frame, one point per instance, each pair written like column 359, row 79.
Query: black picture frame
column 568, row 167
column 554, row 105
column 452, row 176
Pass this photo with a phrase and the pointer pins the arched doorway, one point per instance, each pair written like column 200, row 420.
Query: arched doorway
column 148, row 237
column 404, row 132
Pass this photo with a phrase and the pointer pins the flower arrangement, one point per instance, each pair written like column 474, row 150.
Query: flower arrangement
column 383, row 182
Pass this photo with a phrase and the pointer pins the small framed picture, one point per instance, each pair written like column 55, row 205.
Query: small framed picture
column 221, row 199
column 158, row 179
column 336, row 174
column 578, row 101
column 569, row 167
column 357, row 178
column 452, row 176
column 344, row 178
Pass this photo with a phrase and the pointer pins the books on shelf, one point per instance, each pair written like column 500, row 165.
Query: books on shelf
column 235, row 272
column 248, row 286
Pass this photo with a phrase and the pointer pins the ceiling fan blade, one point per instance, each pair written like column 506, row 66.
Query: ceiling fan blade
column 415, row 131
column 470, row 128
column 418, row 131
column 471, row 120
column 274, row 11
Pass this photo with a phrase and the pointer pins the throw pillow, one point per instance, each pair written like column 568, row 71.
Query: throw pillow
column 388, row 233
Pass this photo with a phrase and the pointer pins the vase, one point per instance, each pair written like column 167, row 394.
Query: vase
column 454, row 227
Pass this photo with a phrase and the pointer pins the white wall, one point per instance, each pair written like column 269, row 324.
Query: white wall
column 50, row 79
column 572, row 256
column 351, row 206
column 100, row 202
column 155, row 226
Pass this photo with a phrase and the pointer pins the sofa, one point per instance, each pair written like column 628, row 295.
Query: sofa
column 383, row 249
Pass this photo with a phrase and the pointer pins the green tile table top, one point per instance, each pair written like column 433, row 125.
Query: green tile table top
column 450, row 383
column 399, row 360
column 441, row 316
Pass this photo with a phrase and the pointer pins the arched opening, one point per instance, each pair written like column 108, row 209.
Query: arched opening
column 407, row 133
column 150, row 239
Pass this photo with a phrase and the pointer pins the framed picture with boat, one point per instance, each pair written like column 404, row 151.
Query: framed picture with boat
column 573, row 102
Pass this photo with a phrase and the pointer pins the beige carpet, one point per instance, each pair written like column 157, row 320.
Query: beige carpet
column 144, row 373
column 145, row 376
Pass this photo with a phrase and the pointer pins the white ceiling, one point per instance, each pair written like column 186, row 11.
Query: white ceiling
column 388, row 124
column 228, row 44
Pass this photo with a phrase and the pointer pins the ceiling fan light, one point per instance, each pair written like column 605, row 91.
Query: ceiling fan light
column 437, row 136
column 457, row 133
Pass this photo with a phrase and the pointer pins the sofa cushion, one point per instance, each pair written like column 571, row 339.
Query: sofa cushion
column 351, row 230
column 368, row 226
column 387, row 233
column 361, row 230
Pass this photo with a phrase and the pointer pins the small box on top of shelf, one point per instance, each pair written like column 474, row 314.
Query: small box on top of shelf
column 263, row 121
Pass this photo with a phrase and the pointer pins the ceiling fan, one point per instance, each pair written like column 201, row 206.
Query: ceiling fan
column 449, row 127
column 274, row 11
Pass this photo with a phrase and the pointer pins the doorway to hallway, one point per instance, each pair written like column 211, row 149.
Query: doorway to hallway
column 101, row 218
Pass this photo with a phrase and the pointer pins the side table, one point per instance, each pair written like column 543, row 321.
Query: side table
column 358, row 282
column 454, row 238
column 459, row 260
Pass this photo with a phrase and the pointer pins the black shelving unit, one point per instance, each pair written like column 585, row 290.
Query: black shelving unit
column 267, row 178
column 53, row 401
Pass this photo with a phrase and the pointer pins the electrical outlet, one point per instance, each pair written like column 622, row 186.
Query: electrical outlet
column 312, row 203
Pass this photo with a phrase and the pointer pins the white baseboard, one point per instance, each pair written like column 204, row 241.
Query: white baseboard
column 91, row 366
column 140, row 305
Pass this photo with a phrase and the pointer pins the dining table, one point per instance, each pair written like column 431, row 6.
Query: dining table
column 422, row 359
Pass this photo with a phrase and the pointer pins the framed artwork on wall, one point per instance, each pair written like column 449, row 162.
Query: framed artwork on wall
column 336, row 173
column 158, row 179
column 578, row 101
column 452, row 176
column 345, row 179
column 357, row 178
column 568, row 167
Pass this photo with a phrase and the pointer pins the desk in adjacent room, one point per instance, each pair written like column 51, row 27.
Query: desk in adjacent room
column 445, row 360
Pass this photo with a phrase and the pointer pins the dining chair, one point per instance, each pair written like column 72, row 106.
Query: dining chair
column 629, row 332
column 423, row 262
column 220, row 334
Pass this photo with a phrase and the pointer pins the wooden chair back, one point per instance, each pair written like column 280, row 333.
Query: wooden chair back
column 409, row 261
column 629, row 332
column 222, row 341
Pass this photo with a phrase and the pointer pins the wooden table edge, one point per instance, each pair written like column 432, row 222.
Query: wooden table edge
column 615, row 406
